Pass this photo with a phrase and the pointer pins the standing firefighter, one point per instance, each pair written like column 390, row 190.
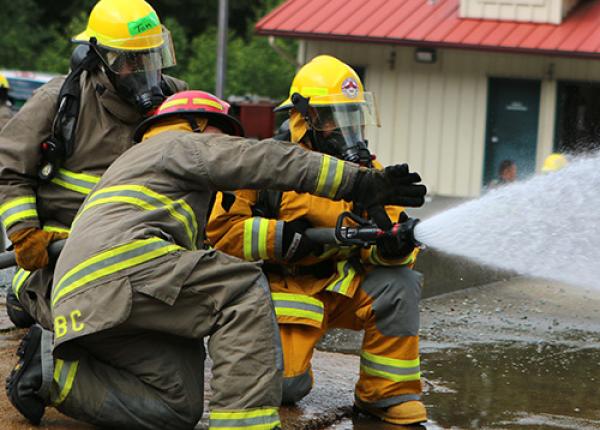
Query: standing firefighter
column 134, row 293
column 315, row 289
column 5, row 110
column 60, row 143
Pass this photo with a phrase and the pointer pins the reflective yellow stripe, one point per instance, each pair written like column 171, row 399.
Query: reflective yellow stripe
column 251, row 419
column 176, row 102
column 19, row 279
column 323, row 174
column 390, row 368
column 330, row 176
column 16, row 210
column 262, row 238
column 342, row 282
column 15, row 202
column 207, row 102
column 111, row 261
column 256, row 231
column 56, row 229
column 337, row 180
column 149, row 200
column 64, row 376
column 78, row 182
column 310, row 91
column 248, row 239
column 299, row 306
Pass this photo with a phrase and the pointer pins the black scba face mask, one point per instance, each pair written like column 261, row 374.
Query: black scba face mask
column 140, row 89
column 345, row 143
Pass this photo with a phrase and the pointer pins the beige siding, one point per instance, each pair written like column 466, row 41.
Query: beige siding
column 550, row 11
column 433, row 115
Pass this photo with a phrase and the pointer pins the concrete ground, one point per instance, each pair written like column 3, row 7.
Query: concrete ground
column 517, row 354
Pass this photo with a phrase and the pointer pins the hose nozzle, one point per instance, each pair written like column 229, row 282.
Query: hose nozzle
column 407, row 231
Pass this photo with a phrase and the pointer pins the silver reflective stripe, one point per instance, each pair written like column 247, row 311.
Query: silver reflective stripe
column 243, row 422
column 338, row 285
column 18, row 280
column 111, row 261
column 19, row 209
column 279, row 239
column 389, row 369
column 154, row 202
column 79, row 182
column 298, row 305
column 255, row 238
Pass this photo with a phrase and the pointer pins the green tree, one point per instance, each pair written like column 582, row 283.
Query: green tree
column 56, row 55
column 21, row 33
column 253, row 67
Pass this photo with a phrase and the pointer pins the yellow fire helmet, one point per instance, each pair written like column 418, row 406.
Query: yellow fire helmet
column 4, row 82
column 327, row 81
column 130, row 36
column 554, row 162
column 328, row 98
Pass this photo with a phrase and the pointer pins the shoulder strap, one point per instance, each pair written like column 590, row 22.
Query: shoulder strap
column 61, row 143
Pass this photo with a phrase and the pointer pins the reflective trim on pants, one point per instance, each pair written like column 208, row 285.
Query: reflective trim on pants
column 390, row 368
column 64, row 375
column 306, row 309
column 18, row 280
column 249, row 419
column 346, row 274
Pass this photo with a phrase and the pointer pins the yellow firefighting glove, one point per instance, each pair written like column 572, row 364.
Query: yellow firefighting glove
column 31, row 247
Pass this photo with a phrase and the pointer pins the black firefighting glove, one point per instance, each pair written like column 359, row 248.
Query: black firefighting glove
column 395, row 247
column 296, row 245
column 394, row 185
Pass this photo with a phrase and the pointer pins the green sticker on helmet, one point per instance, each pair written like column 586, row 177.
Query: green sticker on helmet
column 143, row 24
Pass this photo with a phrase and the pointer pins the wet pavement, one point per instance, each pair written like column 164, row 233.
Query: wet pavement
column 519, row 354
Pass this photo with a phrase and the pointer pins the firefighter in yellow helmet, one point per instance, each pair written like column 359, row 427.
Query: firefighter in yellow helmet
column 5, row 111
column 134, row 49
column 314, row 288
column 554, row 162
column 52, row 157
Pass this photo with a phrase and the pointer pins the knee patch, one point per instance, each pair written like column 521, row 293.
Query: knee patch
column 296, row 387
column 396, row 293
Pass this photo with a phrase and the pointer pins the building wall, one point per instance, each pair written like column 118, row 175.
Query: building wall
column 433, row 116
column 549, row 11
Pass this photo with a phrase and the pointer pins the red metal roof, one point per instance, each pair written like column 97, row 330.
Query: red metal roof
column 433, row 23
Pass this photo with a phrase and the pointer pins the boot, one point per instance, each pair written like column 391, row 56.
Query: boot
column 15, row 311
column 25, row 381
column 406, row 413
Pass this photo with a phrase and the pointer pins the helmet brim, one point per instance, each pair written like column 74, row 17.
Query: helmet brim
column 227, row 124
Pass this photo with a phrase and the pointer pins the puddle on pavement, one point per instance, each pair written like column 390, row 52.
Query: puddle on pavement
column 514, row 386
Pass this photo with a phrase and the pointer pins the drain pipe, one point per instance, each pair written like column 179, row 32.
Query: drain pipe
column 282, row 53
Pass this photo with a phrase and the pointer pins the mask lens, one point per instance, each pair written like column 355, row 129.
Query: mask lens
column 159, row 55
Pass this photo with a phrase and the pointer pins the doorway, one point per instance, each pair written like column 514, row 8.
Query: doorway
column 512, row 126
column 577, row 117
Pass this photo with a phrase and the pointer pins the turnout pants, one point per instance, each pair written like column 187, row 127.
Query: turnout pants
column 386, row 307
column 33, row 292
column 148, row 371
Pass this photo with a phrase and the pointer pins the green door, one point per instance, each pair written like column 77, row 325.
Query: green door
column 512, row 125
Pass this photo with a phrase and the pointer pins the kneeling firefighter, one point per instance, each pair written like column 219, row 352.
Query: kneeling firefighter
column 314, row 289
column 64, row 138
column 135, row 292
